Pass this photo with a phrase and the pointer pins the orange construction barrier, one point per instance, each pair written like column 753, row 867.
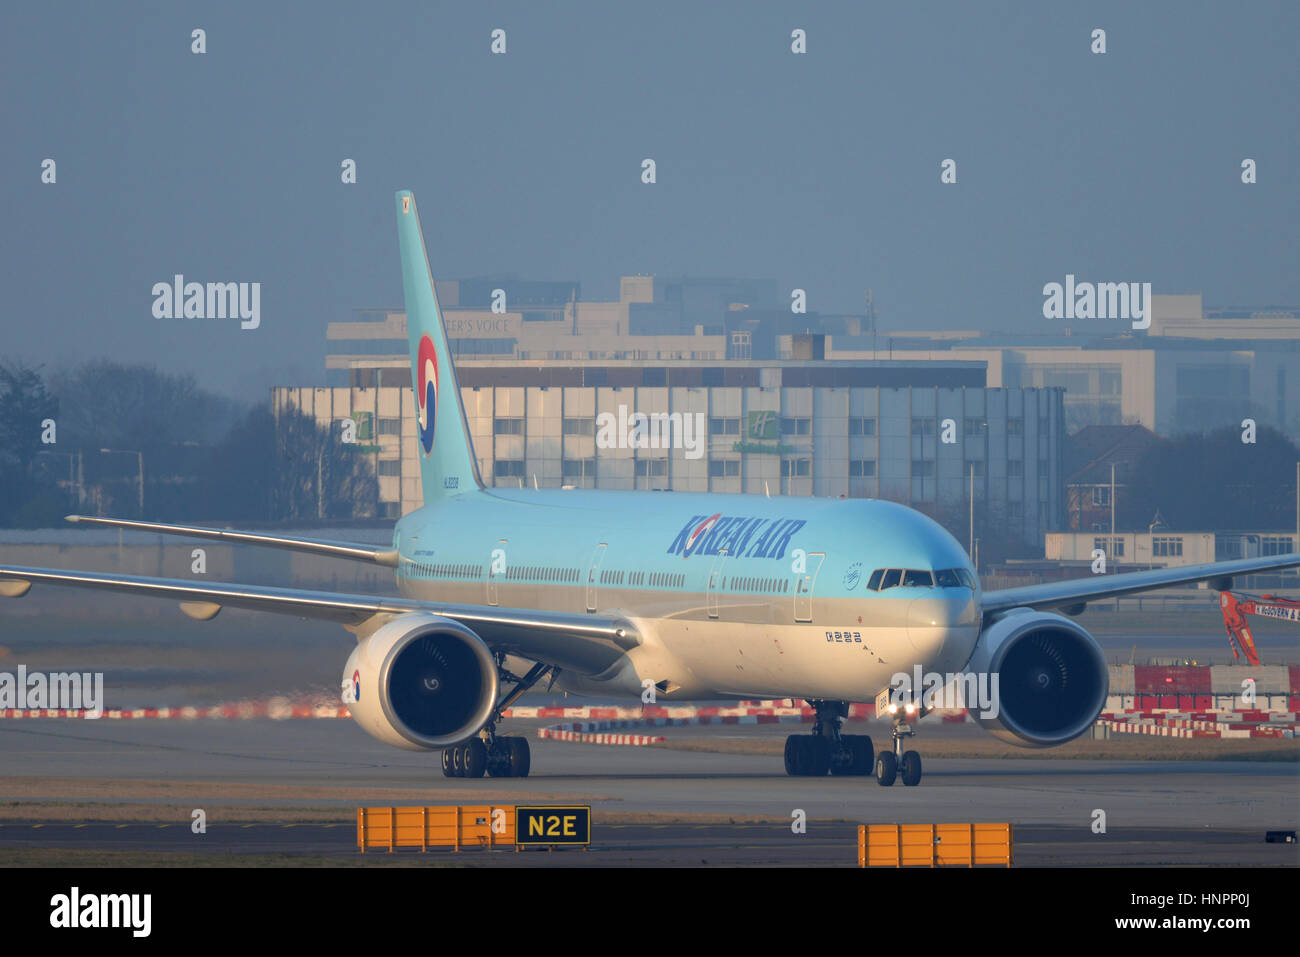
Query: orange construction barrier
column 457, row 827
column 934, row 845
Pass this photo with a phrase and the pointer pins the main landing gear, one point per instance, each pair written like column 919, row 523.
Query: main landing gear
column 499, row 757
column 826, row 750
column 890, row 765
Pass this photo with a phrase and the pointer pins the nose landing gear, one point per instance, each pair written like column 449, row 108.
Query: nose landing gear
column 889, row 765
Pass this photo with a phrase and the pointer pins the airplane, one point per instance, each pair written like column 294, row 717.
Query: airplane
column 663, row 595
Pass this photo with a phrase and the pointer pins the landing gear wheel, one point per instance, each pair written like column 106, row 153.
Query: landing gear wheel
column 864, row 754
column 793, row 754
column 911, row 769
column 502, row 757
column 826, row 750
column 498, row 757
column 807, row 755
column 818, row 752
column 473, row 759
column 886, row 768
column 453, row 761
column 842, row 759
column 520, row 758
column 848, row 755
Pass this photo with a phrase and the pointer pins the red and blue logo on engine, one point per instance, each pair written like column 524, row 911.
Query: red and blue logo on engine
column 426, row 391
column 356, row 686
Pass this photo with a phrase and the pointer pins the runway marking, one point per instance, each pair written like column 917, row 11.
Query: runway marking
column 157, row 746
column 709, row 827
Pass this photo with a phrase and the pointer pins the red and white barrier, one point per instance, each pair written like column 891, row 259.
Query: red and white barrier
column 285, row 708
column 226, row 711
column 593, row 733
column 1198, row 729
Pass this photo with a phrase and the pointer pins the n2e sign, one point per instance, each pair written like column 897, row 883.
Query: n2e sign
column 553, row 824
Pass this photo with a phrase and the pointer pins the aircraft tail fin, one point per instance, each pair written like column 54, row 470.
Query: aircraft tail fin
column 447, row 463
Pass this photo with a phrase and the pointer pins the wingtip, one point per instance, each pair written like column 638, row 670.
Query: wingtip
column 72, row 518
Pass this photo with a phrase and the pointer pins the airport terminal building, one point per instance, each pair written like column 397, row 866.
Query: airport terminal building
column 556, row 404
column 1193, row 370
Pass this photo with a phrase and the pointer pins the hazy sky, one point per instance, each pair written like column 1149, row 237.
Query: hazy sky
column 820, row 170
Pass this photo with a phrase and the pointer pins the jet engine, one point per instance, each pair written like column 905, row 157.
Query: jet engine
column 1052, row 680
column 421, row 682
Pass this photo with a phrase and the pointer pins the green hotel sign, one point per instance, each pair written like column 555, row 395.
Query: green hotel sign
column 761, row 426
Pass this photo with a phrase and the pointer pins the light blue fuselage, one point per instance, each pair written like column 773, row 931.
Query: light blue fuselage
column 770, row 597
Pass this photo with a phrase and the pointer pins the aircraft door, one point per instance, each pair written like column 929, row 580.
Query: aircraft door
column 593, row 575
column 715, row 583
column 496, row 571
column 803, row 588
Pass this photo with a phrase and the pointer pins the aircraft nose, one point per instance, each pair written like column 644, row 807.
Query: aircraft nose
column 943, row 629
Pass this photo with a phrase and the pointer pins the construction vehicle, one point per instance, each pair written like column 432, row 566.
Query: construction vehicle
column 1237, row 605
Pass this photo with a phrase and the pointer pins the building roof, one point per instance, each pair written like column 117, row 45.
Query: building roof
column 1090, row 452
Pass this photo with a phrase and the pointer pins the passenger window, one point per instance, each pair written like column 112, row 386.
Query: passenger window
column 891, row 578
column 916, row 578
column 874, row 581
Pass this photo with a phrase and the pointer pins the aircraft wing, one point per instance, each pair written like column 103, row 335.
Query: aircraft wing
column 365, row 553
column 1076, row 591
column 586, row 644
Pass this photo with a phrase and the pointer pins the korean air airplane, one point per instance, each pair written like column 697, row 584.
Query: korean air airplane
column 683, row 596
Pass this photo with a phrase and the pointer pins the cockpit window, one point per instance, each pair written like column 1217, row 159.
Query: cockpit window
column 883, row 578
column 955, row 578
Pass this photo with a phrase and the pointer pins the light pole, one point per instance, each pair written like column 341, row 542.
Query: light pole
column 140, row 459
column 1112, row 518
column 76, row 476
column 984, row 437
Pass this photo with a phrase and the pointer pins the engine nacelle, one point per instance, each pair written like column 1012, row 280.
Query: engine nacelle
column 421, row 682
column 1052, row 678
